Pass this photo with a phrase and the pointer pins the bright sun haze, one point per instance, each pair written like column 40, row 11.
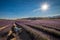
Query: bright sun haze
column 45, row 7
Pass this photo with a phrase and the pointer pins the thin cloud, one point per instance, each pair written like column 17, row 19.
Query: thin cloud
column 38, row 9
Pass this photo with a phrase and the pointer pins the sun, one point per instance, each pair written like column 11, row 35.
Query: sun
column 45, row 7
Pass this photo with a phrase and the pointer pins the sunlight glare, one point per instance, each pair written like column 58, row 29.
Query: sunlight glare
column 44, row 6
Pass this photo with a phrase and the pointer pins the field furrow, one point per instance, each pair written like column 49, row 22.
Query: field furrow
column 36, row 32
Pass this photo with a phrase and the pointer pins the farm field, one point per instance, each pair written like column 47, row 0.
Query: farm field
column 32, row 29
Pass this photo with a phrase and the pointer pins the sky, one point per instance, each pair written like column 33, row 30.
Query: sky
column 12, row 9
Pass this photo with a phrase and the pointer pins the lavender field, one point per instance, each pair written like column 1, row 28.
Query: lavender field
column 32, row 29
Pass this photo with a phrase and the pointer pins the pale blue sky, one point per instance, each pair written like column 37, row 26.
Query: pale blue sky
column 11, row 9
